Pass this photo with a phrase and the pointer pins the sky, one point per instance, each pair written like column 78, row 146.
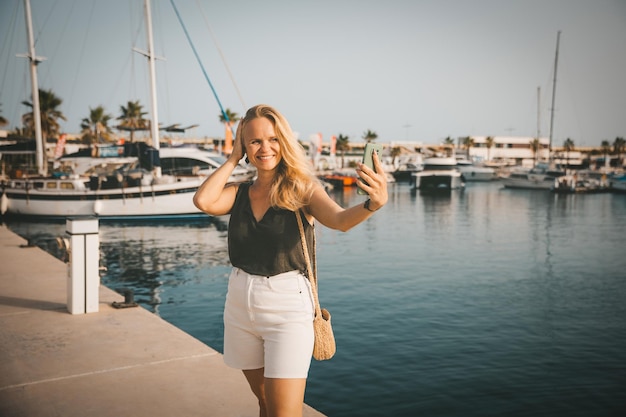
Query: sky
column 409, row 70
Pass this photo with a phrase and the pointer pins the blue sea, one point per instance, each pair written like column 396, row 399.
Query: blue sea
column 480, row 302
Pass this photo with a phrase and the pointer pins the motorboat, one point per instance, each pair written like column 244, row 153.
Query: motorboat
column 407, row 165
column 474, row 172
column 439, row 174
column 618, row 183
column 584, row 181
column 540, row 177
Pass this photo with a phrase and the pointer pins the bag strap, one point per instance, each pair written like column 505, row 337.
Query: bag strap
column 312, row 274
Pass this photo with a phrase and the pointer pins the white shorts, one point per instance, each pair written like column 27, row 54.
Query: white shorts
column 268, row 323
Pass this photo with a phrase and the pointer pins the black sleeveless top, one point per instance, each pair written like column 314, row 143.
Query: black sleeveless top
column 268, row 247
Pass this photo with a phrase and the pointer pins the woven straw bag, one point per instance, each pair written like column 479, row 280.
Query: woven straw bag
column 324, row 347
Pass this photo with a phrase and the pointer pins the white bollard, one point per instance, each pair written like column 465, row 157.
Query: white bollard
column 83, row 280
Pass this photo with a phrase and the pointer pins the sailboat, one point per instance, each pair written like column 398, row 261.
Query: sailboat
column 135, row 189
column 544, row 175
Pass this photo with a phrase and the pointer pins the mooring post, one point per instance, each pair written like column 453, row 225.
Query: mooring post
column 83, row 280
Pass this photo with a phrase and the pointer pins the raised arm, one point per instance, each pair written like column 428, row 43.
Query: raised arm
column 332, row 215
column 214, row 196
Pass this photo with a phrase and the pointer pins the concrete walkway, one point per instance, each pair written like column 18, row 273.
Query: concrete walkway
column 125, row 362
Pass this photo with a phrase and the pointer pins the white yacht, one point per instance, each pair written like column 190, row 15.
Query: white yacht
column 473, row 172
column 439, row 174
column 540, row 177
column 119, row 188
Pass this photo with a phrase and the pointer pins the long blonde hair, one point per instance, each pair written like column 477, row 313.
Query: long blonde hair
column 295, row 177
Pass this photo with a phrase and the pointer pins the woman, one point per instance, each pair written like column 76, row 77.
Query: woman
column 268, row 317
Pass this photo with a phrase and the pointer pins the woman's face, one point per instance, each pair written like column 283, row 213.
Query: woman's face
column 262, row 145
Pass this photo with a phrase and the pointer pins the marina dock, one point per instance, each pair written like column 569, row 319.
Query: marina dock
column 114, row 362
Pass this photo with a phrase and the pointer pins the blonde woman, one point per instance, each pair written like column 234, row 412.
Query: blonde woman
column 268, row 316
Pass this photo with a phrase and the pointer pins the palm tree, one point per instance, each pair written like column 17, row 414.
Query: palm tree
column 568, row 145
column 132, row 118
column 535, row 145
column 95, row 127
column 618, row 147
column 50, row 114
column 370, row 136
column 606, row 150
column 232, row 117
column 468, row 142
column 448, row 144
column 342, row 145
column 395, row 152
column 489, row 141
column 229, row 118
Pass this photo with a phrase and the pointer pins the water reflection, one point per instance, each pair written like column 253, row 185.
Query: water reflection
column 153, row 259
column 497, row 296
column 146, row 257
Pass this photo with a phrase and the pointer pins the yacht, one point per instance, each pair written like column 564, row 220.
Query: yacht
column 407, row 165
column 121, row 187
column 439, row 174
column 473, row 172
column 540, row 177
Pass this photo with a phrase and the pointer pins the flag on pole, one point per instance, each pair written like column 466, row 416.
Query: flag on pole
column 58, row 150
column 228, row 141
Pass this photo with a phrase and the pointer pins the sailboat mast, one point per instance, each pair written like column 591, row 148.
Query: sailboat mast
column 34, row 60
column 538, row 113
column 556, row 63
column 154, row 125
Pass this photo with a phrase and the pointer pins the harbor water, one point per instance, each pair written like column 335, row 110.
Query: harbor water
column 480, row 302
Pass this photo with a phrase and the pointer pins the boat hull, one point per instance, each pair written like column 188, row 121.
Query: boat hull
column 439, row 174
column 529, row 183
column 478, row 174
column 158, row 200
column 438, row 181
column 618, row 184
column 538, row 178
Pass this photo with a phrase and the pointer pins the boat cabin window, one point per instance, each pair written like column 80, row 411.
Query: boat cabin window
column 182, row 166
column 51, row 185
column 439, row 167
column 38, row 185
column 67, row 186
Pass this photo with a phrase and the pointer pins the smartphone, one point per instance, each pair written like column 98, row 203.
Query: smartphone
column 368, row 160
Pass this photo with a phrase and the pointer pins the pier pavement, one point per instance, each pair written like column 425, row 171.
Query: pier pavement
column 116, row 362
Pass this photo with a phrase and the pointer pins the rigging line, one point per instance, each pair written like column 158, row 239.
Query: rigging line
column 206, row 22
column 45, row 22
column 129, row 65
column 206, row 76
column 45, row 75
column 82, row 54
column 6, row 45
column 15, row 88
column 160, row 25
column 132, row 87
column 113, row 92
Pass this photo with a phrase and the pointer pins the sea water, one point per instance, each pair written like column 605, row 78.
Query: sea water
column 480, row 302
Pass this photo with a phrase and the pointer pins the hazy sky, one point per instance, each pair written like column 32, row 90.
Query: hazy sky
column 408, row 70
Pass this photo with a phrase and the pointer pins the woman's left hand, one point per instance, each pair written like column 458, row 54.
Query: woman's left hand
column 375, row 183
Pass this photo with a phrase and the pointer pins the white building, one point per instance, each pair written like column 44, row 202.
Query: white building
column 506, row 148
